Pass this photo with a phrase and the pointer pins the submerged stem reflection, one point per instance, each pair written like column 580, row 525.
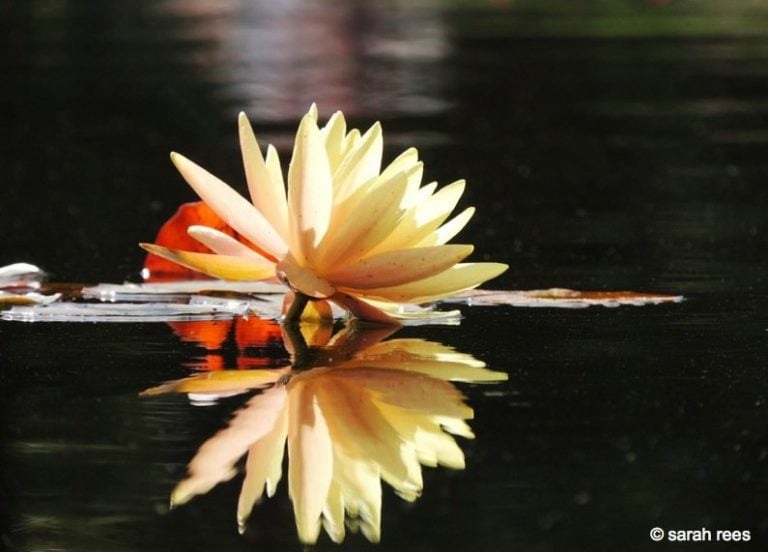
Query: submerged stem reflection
column 360, row 409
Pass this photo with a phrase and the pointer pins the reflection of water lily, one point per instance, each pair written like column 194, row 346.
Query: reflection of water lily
column 370, row 410
column 365, row 238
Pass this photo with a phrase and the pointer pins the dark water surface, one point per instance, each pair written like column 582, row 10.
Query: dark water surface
column 613, row 145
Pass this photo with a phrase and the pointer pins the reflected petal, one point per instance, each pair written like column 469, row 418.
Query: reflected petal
column 216, row 459
column 310, row 466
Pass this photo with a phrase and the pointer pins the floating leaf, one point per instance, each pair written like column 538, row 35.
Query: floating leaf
column 177, row 290
column 20, row 275
column 124, row 312
column 20, row 285
column 30, row 298
column 562, row 298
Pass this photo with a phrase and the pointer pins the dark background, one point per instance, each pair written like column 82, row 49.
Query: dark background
column 606, row 145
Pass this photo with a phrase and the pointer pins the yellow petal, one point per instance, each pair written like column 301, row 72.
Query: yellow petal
column 359, row 429
column 333, row 512
column 263, row 467
column 267, row 194
column 222, row 244
column 333, row 133
column 215, row 460
column 411, row 391
column 218, row 266
column 447, row 231
column 223, row 381
column 360, row 164
column 457, row 278
column 408, row 233
column 362, row 493
column 364, row 310
column 402, row 163
column 394, row 268
column 310, row 192
column 233, row 208
column 300, row 278
column 357, row 234
column 310, row 466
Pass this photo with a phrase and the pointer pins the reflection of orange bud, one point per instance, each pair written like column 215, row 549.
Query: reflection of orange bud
column 250, row 332
column 256, row 332
column 210, row 334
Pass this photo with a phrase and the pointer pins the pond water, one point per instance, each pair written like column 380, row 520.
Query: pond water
column 609, row 146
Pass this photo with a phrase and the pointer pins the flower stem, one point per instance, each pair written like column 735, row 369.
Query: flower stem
column 293, row 314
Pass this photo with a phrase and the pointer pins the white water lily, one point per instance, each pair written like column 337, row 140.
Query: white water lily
column 345, row 230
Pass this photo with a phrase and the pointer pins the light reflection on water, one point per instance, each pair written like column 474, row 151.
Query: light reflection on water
column 273, row 59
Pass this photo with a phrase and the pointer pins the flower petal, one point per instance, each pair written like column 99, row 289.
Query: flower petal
column 218, row 266
column 447, row 231
column 457, row 278
column 267, row 193
column 221, row 243
column 356, row 234
column 300, row 278
column 215, row 460
column 310, row 454
column 360, row 164
column 263, row 467
column 427, row 213
column 333, row 133
column 310, row 192
column 233, row 208
column 363, row 310
column 393, row 268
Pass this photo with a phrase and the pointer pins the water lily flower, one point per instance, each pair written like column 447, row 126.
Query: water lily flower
column 366, row 411
column 344, row 229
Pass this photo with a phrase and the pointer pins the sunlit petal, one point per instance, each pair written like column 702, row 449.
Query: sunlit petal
column 459, row 277
column 355, row 236
column 223, row 244
column 310, row 192
column 334, row 132
column 448, row 231
column 218, row 266
column 267, row 193
column 233, row 208
column 302, row 279
column 359, row 165
column 393, row 268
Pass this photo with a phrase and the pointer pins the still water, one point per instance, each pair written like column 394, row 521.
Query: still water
column 613, row 145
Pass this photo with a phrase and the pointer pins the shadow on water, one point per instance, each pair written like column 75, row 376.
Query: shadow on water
column 618, row 145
